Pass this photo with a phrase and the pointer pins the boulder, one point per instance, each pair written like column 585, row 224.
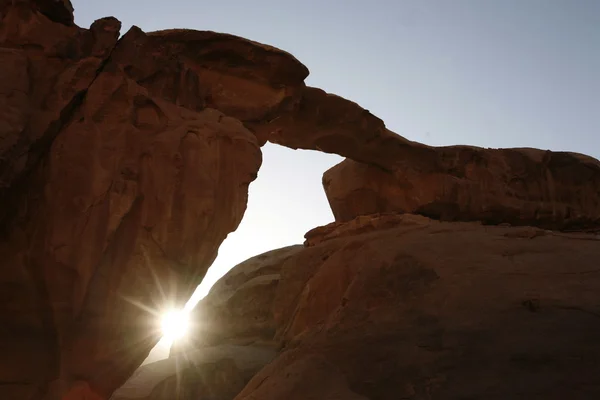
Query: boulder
column 552, row 190
column 231, row 337
column 298, row 376
column 212, row 373
column 237, row 310
column 402, row 306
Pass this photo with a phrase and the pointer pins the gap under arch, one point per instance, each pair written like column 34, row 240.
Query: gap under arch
column 284, row 202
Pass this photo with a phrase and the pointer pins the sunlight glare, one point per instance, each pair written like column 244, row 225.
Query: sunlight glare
column 174, row 325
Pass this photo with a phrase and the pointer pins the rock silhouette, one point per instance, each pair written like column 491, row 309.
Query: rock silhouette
column 125, row 162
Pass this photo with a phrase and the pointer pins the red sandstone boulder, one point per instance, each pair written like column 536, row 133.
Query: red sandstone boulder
column 114, row 201
column 211, row 373
column 415, row 308
column 237, row 309
column 298, row 376
column 554, row 190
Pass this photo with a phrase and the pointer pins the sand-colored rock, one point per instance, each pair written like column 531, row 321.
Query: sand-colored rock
column 297, row 376
column 390, row 306
column 554, row 190
column 264, row 88
column 46, row 69
column 125, row 163
column 431, row 310
column 113, row 202
column 212, row 373
column 237, row 310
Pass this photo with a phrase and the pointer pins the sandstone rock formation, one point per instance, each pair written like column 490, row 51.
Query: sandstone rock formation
column 230, row 339
column 211, row 373
column 237, row 309
column 114, row 199
column 402, row 306
column 553, row 190
column 125, row 162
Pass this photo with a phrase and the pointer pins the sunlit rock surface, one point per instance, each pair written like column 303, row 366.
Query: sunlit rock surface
column 237, row 310
column 231, row 337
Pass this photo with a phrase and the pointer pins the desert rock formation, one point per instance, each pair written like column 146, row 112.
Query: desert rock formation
column 109, row 189
column 232, row 336
column 401, row 306
column 236, row 311
column 211, row 373
column 125, row 162
column 552, row 190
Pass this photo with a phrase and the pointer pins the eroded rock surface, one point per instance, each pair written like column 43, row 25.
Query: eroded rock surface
column 230, row 339
column 237, row 310
column 114, row 199
column 212, row 373
column 390, row 306
column 125, row 162
column 408, row 307
column 299, row 376
column 553, row 190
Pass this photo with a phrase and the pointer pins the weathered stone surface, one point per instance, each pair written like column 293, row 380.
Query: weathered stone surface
column 46, row 69
column 554, row 190
column 60, row 11
column 238, row 307
column 113, row 201
column 392, row 306
column 263, row 87
column 430, row 310
column 212, row 373
column 297, row 376
column 118, row 173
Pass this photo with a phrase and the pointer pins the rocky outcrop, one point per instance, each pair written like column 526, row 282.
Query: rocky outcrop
column 124, row 163
column 212, row 373
column 264, row 88
column 552, row 190
column 408, row 307
column 390, row 306
column 230, row 339
column 298, row 376
column 237, row 309
column 114, row 199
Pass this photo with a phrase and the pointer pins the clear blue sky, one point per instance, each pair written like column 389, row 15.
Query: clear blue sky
column 491, row 73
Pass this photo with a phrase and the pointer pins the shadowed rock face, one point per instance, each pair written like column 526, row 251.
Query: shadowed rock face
column 553, row 190
column 401, row 306
column 237, row 309
column 114, row 199
column 212, row 373
column 230, row 339
column 124, row 163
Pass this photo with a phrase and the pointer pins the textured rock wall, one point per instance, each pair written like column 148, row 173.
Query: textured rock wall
column 125, row 162
column 114, row 198
column 401, row 306
column 389, row 306
column 237, row 309
column 553, row 190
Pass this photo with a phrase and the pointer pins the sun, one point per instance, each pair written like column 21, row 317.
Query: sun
column 174, row 325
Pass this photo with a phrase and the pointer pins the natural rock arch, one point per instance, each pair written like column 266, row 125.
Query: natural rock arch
column 127, row 160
